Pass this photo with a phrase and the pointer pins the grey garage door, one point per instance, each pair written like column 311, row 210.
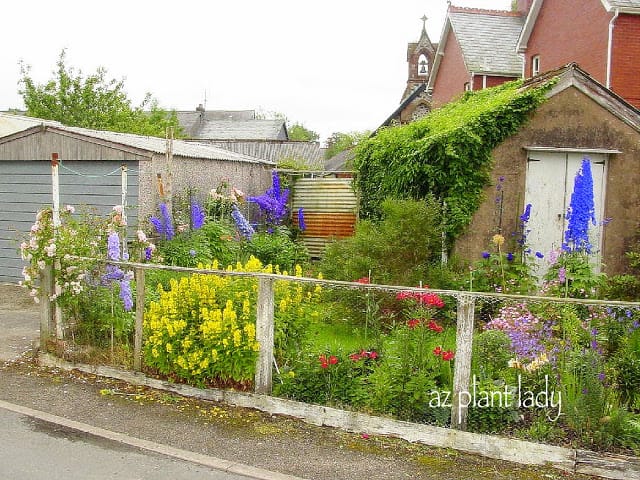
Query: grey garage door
column 25, row 188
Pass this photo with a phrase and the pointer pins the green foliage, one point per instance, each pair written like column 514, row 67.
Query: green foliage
column 491, row 354
column 327, row 379
column 299, row 133
column 446, row 153
column 399, row 249
column 186, row 250
column 339, row 142
column 277, row 249
column 492, row 414
column 93, row 102
column 579, row 279
column 627, row 285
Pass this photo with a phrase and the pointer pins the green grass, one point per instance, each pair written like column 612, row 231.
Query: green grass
column 337, row 336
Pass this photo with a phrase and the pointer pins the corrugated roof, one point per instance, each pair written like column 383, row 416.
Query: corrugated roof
column 274, row 151
column 622, row 4
column 11, row 123
column 158, row 145
column 488, row 40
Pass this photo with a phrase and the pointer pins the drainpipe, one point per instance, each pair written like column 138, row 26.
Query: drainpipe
column 610, row 49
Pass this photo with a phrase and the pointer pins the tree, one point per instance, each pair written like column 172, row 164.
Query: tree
column 339, row 142
column 297, row 131
column 92, row 102
column 300, row 133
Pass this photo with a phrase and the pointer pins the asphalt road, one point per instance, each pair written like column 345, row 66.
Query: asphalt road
column 34, row 449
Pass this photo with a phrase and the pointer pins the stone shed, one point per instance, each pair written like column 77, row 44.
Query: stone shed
column 90, row 175
column 537, row 166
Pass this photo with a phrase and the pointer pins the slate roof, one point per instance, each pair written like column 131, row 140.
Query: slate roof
column 230, row 125
column 488, row 39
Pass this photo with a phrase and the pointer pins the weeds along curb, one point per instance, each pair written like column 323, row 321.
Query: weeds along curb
column 519, row 451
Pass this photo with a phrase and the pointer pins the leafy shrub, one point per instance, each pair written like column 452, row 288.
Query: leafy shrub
column 491, row 354
column 277, row 249
column 399, row 249
column 186, row 250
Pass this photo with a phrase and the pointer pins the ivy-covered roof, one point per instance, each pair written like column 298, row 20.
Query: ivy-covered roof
column 446, row 153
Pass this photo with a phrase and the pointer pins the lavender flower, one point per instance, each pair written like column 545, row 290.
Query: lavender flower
column 192, row 252
column 167, row 222
column 125, row 292
column 113, row 246
column 244, row 227
column 581, row 211
column 197, row 214
column 562, row 274
column 301, row 224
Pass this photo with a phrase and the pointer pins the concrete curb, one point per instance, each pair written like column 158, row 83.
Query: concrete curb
column 205, row 460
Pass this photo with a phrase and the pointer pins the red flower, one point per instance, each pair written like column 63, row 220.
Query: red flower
column 413, row 323
column 324, row 365
column 448, row 355
column 364, row 280
column 322, row 359
column 373, row 355
column 333, row 359
column 437, row 351
column 435, row 327
column 355, row 357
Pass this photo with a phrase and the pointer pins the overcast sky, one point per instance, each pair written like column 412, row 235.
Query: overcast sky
column 332, row 65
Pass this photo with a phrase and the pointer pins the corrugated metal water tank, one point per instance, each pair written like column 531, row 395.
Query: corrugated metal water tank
column 330, row 208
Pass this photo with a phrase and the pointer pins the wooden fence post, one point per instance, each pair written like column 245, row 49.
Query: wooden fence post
column 462, row 373
column 137, row 335
column 264, row 335
column 47, row 312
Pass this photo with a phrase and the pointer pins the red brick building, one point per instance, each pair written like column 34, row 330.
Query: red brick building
column 484, row 48
column 602, row 36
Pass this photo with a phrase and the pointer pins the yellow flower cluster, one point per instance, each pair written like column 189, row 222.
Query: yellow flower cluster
column 203, row 327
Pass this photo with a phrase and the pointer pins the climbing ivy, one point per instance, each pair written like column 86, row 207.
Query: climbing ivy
column 446, row 153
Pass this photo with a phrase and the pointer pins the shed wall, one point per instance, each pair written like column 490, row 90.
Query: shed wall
column 568, row 119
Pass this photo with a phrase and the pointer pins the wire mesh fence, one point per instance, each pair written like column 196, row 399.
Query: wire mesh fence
column 480, row 361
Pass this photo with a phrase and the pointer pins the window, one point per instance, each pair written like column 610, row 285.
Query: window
column 535, row 65
column 467, row 87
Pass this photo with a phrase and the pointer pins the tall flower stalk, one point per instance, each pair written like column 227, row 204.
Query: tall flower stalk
column 273, row 203
column 581, row 211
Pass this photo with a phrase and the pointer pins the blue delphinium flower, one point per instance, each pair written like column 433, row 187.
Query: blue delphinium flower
column 113, row 246
column 510, row 257
column 273, row 203
column 524, row 219
column 539, row 255
column 125, row 291
column 581, row 211
column 167, row 221
column 244, row 227
column 486, row 255
column 197, row 214
column 301, row 224
column 157, row 224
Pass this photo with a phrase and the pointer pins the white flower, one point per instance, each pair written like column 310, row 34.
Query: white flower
column 142, row 238
column 41, row 264
column 238, row 193
column 118, row 209
column 24, row 246
column 33, row 242
column 70, row 209
column 51, row 250
column 35, row 227
column 36, row 299
column 33, row 292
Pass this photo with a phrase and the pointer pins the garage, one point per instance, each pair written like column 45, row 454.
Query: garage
column 25, row 188
column 90, row 164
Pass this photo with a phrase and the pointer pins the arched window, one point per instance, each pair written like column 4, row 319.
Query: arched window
column 423, row 65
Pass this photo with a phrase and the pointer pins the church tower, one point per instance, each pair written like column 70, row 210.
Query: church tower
column 420, row 57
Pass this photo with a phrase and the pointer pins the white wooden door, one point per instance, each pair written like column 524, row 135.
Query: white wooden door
column 549, row 185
